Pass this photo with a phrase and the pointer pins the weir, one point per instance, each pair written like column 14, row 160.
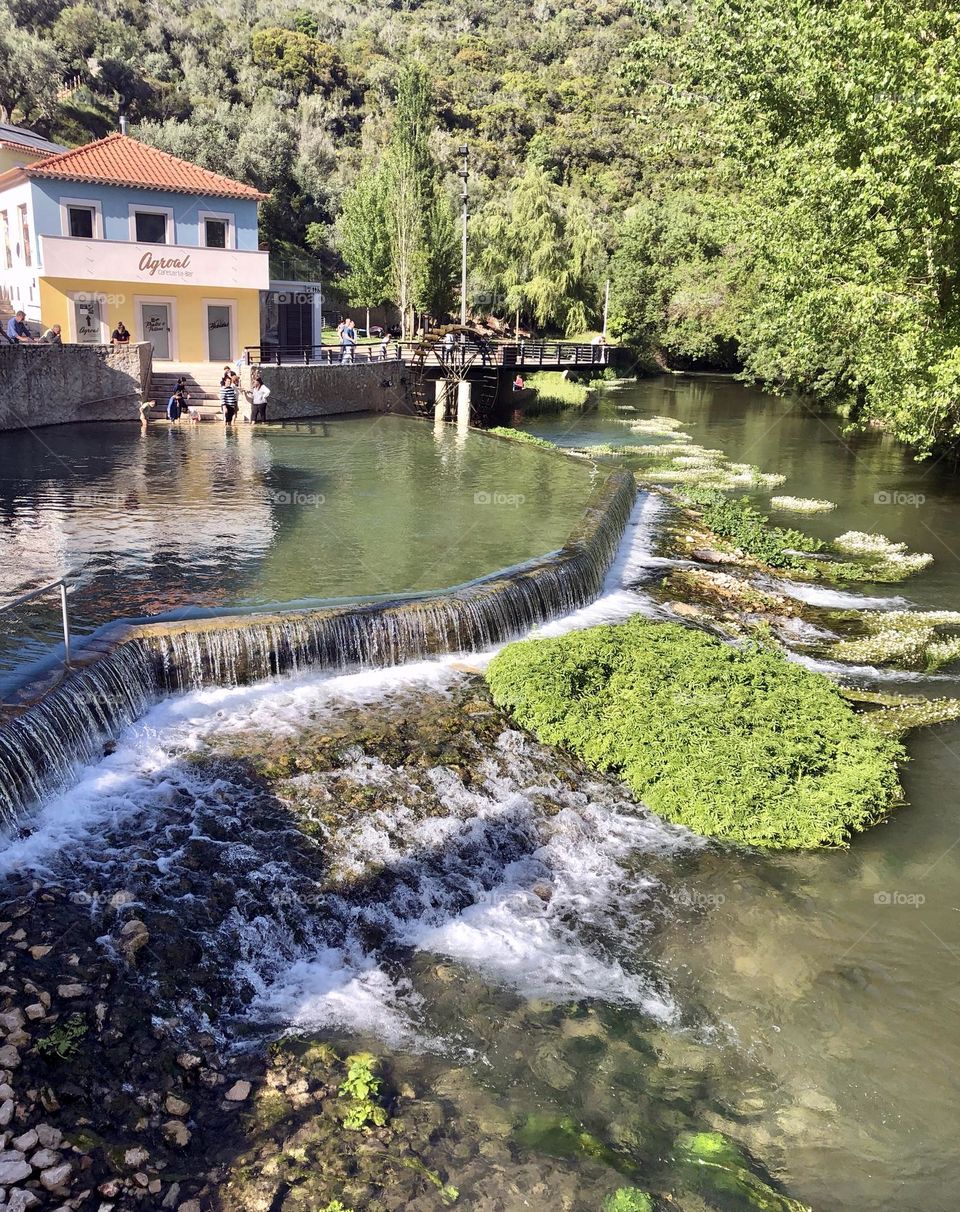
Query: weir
column 129, row 667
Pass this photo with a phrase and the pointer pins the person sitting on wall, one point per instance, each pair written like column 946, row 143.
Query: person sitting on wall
column 52, row 336
column 518, row 383
column 17, row 330
column 120, row 336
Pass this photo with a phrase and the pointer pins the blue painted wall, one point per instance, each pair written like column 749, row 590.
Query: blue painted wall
column 115, row 201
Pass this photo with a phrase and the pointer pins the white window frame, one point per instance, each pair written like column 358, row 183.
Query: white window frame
column 85, row 204
column 174, row 321
column 73, row 296
column 7, row 236
column 234, row 338
column 228, row 217
column 136, row 208
column 26, row 233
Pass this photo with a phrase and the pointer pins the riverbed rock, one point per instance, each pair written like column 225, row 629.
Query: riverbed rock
column 133, row 938
column 238, row 1092
column 44, row 1159
column 21, row 1200
column 27, row 1141
column 14, row 1168
column 50, row 1137
column 176, row 1133
column 6, row 1112
column 54, row 1178
column 11, row 1020
column 69, row 992
column 176, row 1106
column 9, row 1057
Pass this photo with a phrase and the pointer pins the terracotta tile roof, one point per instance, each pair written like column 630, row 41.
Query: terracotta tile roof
column 120, row 160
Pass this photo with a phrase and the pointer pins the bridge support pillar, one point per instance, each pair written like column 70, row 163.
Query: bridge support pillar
column 464, row 394
column 441, row 396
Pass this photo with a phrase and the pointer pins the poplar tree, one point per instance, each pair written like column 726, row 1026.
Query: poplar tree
column 365, row 242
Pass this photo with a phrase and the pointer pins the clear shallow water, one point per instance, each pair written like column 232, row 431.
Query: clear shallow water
column 837, row 972
column 167, row 519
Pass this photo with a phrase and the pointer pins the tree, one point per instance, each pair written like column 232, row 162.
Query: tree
column 364, row 242
column 439, row 267
column 29, row 76
column 539, row 254
column 410, row 177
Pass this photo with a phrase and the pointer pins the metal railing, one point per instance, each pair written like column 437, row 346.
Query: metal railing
column 64, row 610
column 535, row 354
column 319, row 355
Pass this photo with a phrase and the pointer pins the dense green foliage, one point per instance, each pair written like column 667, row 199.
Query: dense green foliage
column 805, row 219
column 519, row 435
column 556, row 392
column 301, row 100
column 733, row 742
column 749, row 530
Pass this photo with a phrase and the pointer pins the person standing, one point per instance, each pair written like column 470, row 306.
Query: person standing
column 120, row 336
column 175, row 406
column 261, row 394
column 348, row 340
column 228, row 400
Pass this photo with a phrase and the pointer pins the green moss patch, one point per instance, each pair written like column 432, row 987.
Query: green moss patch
column 733, row 742
column 518, row 435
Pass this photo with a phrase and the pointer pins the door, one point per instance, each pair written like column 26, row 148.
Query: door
column 219, row 333
column 88, row 321
column 155, row 325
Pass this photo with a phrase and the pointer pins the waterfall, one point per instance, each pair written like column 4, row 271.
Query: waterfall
column 130, row 667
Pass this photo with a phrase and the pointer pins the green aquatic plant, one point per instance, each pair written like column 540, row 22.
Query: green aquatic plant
column 879, row 559
column 363, row 1088
column 736, row 743
column 736, row 521
column 910, row 638
column 714, row 1164
column 335, row 1206
column 63, row 1042
column 518, row 435
column 562, row 1136
column 801, row 505
column 628, row 1199
column 449, row 1194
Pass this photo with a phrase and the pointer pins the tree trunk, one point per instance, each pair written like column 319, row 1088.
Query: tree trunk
column 368, row 323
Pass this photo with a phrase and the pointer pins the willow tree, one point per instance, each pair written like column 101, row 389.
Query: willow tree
column 540, row 254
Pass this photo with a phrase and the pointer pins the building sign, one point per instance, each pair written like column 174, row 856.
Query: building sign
column 177, row 268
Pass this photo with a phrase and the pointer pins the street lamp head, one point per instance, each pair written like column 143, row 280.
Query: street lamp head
column 463, row 149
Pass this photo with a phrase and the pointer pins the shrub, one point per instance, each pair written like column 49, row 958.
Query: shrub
column 733, row 742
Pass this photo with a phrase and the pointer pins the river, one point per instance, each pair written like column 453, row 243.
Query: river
column 531, row 949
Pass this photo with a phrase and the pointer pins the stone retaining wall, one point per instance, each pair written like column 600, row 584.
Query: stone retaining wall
column 324, row 391
column 55, row 384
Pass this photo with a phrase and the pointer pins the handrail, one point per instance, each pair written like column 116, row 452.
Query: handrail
column 65, row 613
column 497, row 352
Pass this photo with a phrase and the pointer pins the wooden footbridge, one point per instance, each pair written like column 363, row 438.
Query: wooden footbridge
column 454, row 369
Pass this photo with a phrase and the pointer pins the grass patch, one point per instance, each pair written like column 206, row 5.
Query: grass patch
column 801, row 505
column 518, row 435
column 556, row 392
column 733, row 742
column 909, row 638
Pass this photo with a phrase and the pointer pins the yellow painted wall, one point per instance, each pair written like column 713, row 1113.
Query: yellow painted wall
column 189, row 319
column 10, row 158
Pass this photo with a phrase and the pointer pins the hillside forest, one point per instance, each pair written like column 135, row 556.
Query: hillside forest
column 771, row 188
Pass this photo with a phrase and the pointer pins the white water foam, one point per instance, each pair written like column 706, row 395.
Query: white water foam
column 833, row 599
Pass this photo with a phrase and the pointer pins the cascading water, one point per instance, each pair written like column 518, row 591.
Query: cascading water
column 40, row 747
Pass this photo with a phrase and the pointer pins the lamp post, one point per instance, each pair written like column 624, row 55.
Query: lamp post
column 463, row 248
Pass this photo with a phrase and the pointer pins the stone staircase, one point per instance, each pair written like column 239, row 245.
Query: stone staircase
column 203, row 386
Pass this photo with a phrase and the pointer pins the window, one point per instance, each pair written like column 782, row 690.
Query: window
column 7, row 250
column 80, row 220
column 150, row 227
column 25, row 234
column 215, row 233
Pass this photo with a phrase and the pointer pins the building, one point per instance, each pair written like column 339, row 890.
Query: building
column 117, row 230
column 19, row 146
